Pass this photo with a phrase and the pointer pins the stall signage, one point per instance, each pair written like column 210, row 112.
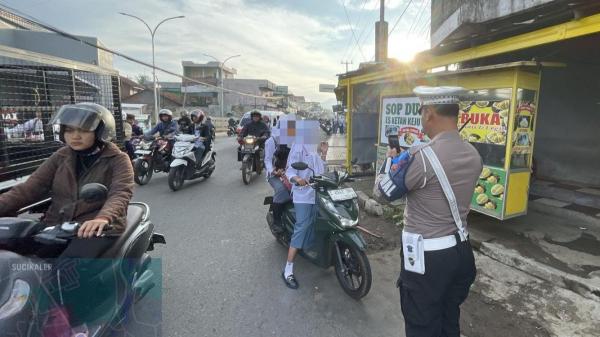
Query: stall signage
column 487, row 121
column 523, row 131
column 400, row 116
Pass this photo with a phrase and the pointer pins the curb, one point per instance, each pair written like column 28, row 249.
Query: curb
column 565, row 213
column 586, row 287
column 370, row 205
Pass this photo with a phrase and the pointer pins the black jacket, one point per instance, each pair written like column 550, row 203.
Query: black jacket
column 256, row 129
column 203, row 130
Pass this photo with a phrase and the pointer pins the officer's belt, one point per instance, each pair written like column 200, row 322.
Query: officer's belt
column 444, row 242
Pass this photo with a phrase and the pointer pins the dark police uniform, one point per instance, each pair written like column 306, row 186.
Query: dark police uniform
column 431, row 298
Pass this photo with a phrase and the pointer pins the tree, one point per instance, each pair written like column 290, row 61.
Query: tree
column 143, row 80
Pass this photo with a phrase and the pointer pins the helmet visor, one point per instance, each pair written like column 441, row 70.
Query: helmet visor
column 77, row 116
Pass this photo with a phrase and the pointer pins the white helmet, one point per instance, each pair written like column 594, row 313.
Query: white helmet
column 165, row 112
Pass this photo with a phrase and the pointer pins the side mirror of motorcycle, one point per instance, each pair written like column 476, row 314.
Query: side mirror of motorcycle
column 300, row 166
column 93, row 192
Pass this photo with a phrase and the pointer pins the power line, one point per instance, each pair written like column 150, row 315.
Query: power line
column 352, row 29
column 415, row 23
column 400, row 17
column 366, row 37
column 416, row 19
column 129, row 58
column 357, row 24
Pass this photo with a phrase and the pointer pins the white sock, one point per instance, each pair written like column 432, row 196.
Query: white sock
column 289, row 269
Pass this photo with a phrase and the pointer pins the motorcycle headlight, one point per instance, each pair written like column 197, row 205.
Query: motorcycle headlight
column 344, row 221
column 17, row 300
column 249, row 140
column 145, row 146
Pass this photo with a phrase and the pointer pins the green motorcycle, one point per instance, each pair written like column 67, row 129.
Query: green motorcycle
column 337, row 242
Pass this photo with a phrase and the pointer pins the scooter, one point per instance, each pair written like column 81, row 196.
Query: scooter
column 337, row 242
column 33, row 290
column 152, row 156
column 184, row 165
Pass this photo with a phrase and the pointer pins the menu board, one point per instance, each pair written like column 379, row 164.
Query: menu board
column 487, row 121
column 488, row 196
column 400, row 116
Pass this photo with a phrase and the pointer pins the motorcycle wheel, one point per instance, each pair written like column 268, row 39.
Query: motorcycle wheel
column 143, row 171
column 176, row 177
column 355, row 274
column 246, row 172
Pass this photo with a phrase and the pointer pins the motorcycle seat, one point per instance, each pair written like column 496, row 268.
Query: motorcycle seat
column 135, row 215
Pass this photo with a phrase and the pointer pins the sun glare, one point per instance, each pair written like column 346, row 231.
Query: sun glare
column 405, row 49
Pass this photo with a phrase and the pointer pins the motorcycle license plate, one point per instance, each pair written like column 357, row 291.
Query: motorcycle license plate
column 342, row 194
column 144, row 152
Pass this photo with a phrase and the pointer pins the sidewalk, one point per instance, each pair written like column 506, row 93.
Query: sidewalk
column 337, row 150
column 542, row 271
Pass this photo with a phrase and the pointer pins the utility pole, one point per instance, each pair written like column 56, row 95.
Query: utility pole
column 154, row 117
column 221, row 82
column 346, row 63
column 381, row 36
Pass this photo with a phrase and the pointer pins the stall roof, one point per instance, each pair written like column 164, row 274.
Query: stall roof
column 425, row 60
column 519, row 64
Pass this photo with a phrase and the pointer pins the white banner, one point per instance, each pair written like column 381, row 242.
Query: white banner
column 400, row 116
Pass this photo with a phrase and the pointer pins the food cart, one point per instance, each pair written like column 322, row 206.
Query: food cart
column 500, row 124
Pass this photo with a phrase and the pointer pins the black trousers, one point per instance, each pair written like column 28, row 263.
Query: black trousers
column 431, row 302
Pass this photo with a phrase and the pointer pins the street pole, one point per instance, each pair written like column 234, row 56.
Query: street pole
column 221, row 82
column 154, row 116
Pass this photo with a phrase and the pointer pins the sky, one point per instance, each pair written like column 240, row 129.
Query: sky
column 298, row 43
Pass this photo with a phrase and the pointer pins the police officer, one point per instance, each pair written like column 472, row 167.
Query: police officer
column 438, row 179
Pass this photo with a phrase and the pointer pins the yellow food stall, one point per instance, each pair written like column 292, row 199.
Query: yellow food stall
column 502, row 126
column 499, row 122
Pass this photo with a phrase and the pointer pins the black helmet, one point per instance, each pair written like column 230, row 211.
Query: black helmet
column 86, row 116
column 255, row 113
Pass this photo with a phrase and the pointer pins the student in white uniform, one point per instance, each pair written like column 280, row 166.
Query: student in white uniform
column 304, row 199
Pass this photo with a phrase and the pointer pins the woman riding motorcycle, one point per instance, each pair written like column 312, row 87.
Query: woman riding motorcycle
column 88, row 157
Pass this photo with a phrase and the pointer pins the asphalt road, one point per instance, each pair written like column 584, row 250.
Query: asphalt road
column 221, row 267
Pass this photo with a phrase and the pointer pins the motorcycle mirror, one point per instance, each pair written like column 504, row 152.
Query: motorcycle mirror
column 93, row 192
column 300, row 166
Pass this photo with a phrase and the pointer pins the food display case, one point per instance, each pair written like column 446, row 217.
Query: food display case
column 499, row 121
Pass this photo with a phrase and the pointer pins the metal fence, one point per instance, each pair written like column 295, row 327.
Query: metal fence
column 32, row 87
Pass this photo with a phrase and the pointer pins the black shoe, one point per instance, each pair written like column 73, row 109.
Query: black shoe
column 290, row 281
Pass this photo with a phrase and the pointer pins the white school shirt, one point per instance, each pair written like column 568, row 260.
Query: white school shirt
column 304, row 153
column 270, row 148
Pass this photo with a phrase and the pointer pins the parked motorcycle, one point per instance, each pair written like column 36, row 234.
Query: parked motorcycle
column 35, row 294
column 251, row 156
column 337, row 241
column 184, row 165
column 152, row 156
